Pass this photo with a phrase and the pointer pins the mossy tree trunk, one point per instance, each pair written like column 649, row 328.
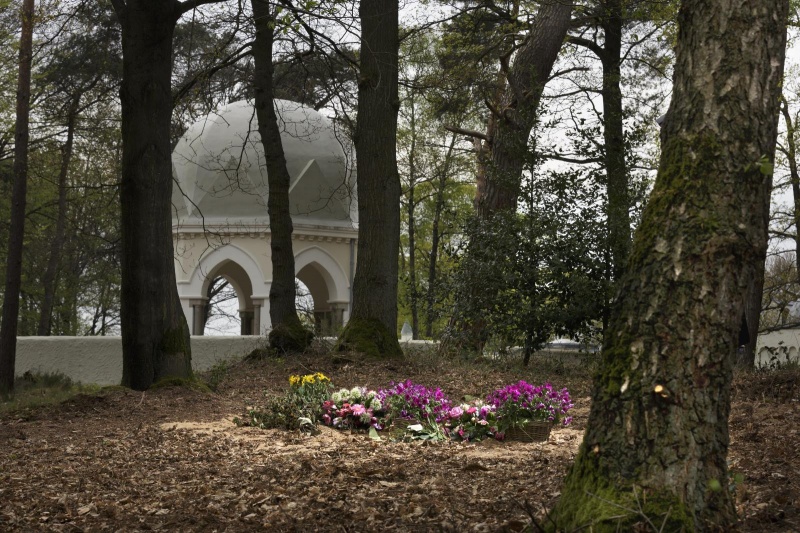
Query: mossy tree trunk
column 658, row 428
column 155, row 335
column 282, row 293
column 374, row 312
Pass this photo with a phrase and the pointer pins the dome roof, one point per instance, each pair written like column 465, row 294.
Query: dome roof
column 220, row 173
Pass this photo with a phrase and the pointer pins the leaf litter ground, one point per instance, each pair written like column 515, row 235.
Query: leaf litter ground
column 171, row 459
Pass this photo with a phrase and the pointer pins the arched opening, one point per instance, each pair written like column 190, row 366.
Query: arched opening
column 222, row 310
column 304, row 303
column 227, row 301
column 328, row 314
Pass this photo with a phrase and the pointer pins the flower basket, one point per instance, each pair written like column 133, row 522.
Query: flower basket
column 535, row 431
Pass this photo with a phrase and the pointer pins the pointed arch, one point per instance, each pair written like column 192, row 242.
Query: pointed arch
column 328, row 268
column 212, row 262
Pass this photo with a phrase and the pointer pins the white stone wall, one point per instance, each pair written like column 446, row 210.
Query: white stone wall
column 98, row 360
column 781, row 347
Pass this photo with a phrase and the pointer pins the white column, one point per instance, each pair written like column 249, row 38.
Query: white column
column 198, row 315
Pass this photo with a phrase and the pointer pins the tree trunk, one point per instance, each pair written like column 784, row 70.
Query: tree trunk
column 503, row 155
column 155, row 335
column 373, row 324
column 517, row 110
column 412, row 265
column 435, row 237
column 618, row 202
column 657, row 436
column 57, row 244
column 282, row 294
column 8, row 327
column 752, row 311
column 412, row 244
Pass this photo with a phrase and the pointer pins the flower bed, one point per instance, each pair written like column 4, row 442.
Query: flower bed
column 352, row 409
column 421, row 412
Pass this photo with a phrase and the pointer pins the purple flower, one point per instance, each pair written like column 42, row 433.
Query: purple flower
column 522, row 401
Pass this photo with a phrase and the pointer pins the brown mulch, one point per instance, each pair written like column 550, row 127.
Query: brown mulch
column 172, row 459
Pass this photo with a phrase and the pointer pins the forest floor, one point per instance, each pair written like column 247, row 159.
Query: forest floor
column 171, row 459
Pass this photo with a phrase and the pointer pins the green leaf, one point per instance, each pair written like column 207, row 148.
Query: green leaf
column 373, row 434
column 765, row 166
column 714, row 485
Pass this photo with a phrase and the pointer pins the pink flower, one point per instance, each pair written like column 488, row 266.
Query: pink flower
column 358, row 409
column 456, row 412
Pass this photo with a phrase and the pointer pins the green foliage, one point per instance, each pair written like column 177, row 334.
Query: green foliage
column 525, row 278
column 437, row 177
column 299, row 408
column 35, row 389
column 278, row 412
column 215, row 375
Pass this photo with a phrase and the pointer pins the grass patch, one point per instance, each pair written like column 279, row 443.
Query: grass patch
column 36, row 389
column 214, row 376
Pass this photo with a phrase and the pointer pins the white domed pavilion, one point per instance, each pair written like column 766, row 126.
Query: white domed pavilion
column 220, row 219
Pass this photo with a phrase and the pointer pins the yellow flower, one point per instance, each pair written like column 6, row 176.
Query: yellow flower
column 294, row 381
column 321, row 377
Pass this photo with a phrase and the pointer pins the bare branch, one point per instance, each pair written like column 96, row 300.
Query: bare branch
column 468, row 133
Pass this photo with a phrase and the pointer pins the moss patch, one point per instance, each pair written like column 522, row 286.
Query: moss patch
column 369, row 337
column 290, row 337
column 603, row 507
column 187, row 383
column 175, row 357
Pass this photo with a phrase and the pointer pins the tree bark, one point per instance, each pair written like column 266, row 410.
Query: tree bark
column 618, row 202
column 282, row 294
column 657, row 435
column 8, row 326
column 57, row 244
column 374, row 314
column 516, row 113
column 155, row 335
